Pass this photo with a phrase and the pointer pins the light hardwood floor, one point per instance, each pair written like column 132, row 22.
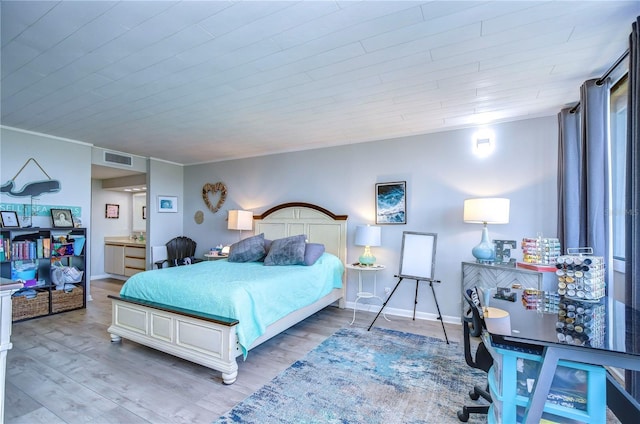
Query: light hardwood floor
column 64, row 368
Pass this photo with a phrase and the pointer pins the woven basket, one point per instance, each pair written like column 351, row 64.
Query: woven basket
column 64, row 301
column 23, row 308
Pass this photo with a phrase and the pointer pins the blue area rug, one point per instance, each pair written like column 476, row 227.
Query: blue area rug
column 356, row 376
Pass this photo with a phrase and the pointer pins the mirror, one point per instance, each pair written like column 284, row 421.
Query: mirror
column 139, row 204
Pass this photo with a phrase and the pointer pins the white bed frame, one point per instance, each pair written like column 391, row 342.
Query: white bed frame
column 210, row 340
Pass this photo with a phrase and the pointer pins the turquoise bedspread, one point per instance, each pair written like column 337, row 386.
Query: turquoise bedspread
column 254, row 294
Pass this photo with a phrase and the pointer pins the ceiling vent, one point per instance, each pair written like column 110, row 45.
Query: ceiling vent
column 118, row 159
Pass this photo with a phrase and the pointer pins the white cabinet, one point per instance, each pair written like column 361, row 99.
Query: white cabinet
column 134, row 260
column 114, row 259
column 124, row 257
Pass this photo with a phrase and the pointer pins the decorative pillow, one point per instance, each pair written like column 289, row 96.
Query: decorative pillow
column 475, row 298
column 267, row 246
column 248, row 250
column 184, row 261
column 312, row 253
column 287, row 251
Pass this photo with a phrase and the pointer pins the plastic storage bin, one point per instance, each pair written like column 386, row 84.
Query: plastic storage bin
column 577, row 394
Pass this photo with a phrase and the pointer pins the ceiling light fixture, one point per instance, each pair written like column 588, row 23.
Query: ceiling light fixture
column 483, row 142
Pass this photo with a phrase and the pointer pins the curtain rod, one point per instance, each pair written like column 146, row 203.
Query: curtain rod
column 606, row 74
column 613, row 67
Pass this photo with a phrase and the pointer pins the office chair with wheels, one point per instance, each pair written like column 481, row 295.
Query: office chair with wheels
column 472, row 326
column 180, row 251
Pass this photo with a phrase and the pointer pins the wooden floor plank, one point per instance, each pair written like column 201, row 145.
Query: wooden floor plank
column 64, row 368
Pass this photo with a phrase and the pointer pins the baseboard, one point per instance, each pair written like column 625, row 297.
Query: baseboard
column 406, row 313
column 103, row 276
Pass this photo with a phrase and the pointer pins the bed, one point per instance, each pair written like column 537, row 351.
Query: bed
column 212, row 340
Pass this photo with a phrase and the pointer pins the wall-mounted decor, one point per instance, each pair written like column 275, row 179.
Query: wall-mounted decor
column 112, row 211
column 33, row 188
column 62, row 218
column 9, row 219
column 37, row 209
column 144, row 212
column 198, row 217
column 167, row 203
column 213, row 189
column 391, row 203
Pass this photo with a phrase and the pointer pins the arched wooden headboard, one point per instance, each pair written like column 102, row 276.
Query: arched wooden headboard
column 317, row 223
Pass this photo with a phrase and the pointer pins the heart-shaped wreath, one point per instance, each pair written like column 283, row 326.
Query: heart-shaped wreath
column 214, row 188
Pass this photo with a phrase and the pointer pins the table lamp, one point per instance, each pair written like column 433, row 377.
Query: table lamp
column 367, row 236
column 240, row 220
column 492, row 210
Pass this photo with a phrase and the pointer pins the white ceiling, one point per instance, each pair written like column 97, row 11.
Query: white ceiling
column 194, row 82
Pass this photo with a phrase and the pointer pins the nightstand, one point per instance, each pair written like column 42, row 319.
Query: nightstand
column 365, row 294
column 212, row 257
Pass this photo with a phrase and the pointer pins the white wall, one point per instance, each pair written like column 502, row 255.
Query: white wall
column 63, row 160
column 107, row 227
column 440, row 170
column 164, row 179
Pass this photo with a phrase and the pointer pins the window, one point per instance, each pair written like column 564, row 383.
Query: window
column 618, row 134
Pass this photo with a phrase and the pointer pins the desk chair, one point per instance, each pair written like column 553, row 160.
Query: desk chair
column 180, row 251
column 472, row 326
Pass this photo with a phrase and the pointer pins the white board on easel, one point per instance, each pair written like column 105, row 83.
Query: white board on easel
column 418, row 255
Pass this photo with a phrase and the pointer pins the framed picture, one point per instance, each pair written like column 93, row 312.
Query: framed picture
column 167, row 204
column 62, row 218
column 144, row 212
column 391, row 203
column 112, row 211
column 9, row 219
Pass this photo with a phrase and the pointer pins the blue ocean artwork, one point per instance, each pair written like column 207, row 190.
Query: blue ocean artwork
column 391, row 204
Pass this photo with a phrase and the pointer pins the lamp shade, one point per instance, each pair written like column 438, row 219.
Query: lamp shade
column 367, row 235
column 490, row 210
column 240, row 220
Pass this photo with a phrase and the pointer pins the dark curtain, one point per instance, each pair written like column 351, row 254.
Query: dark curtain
column 632, row 221
column 594, row 100
column 570, row 186
column 583, row 180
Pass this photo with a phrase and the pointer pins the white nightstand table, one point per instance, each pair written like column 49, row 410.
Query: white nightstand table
column 365, row 294
column 212, row 257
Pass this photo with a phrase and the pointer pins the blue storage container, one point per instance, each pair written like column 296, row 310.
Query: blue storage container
column 78, row 244
column 23, row 274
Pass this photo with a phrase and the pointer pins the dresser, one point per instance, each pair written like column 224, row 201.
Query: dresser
column 487, row 276
column 7, row 288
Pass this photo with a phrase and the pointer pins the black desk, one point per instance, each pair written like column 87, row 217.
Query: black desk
column 611, row 348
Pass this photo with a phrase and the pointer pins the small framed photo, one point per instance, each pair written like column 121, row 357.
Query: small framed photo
column 391, row 203
column 62, row 218
column 167, row 204
column 112, row 211
column 9, row 219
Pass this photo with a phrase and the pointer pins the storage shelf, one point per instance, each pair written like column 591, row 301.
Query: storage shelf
column 37, row 246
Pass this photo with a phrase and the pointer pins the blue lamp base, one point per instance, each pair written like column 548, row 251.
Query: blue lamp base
column 367, row 258
column 485, row 251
